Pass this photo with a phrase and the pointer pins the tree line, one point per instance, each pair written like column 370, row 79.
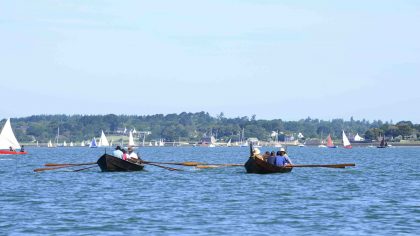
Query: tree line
column 193, row 126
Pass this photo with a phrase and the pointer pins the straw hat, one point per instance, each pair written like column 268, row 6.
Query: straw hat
column 256, row 151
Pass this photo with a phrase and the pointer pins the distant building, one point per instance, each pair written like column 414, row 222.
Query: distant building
column 357, row 138
column 207, row 140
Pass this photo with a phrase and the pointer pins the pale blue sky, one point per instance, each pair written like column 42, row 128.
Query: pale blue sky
column 275, row 59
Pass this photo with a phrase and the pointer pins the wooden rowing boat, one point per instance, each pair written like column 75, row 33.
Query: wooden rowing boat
column 258, row 166
column 110, row 163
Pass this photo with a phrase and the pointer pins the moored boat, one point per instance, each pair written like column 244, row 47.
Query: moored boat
column 110, row 163
column 258, row 166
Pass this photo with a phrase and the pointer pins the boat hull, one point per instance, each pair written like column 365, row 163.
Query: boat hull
column 257, row 166
column 110, row 163
column 7, row 152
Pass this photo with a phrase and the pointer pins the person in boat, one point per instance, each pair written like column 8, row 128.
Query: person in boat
column 283, row 153
column 271, row 158
column 124, row 155
column 22, row 148
column 117, row 152
column 257, row 154
column 279, row 160
column 11, row 149
column 266, row 155
column 131, row 154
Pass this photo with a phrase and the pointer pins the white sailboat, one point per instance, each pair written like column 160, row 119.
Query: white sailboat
column 50, row 145
column 131, row 139
column 8, row 139
column 82, row 144
column 346, row 142
column 161, row 143
column 71, row 144
column 103, row 141
column 64, row 144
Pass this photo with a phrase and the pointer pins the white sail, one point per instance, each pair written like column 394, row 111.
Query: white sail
column 346, row 142
column 93, row 143
column 49, row 144
column 7, row 137
column 71, row 144
column 161, row 143
column 103, row 141
column 229, row 144
column 131, row 139
column 64, row 144
column 82, row 144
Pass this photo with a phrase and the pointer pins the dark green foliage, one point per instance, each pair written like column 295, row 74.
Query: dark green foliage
column 193, row 126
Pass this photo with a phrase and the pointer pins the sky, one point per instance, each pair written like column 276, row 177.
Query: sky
column 274, row 59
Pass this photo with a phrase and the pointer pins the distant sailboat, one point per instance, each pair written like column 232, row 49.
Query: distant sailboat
column 93, row 143
column 82, row 144
column 8, row 139
column 346, row 142
column 330, row 143
column 383, row 144
column 64, row 144
column 50, row 145
column 161, row 143
column 229, row 144
column 131, row 139
column 71, row 144
column 103, row 141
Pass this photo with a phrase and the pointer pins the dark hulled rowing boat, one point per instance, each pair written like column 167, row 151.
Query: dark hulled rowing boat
column 258, row 166
column 110, row 163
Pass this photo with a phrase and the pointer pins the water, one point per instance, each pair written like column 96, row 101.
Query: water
column 380, row 196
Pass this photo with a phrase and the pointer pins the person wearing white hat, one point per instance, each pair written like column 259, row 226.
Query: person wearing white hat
column 131, row 154
column 283, row 153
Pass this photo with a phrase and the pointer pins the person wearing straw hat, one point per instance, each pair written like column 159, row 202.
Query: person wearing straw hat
column 256, row 153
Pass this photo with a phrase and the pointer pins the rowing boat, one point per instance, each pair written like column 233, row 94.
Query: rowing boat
column 110, row 163
column 258, row 166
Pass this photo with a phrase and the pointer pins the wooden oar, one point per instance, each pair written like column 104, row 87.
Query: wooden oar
column 84, row 168
column 187, row 163
column 165, row 167
column 288, row 166
column 326, row 165
column 59, row 167
column 69, row 164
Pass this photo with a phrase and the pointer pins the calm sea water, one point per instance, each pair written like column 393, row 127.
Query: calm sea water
column 380, row 196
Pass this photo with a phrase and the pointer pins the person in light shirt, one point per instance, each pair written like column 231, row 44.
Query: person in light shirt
column 131, row 154
column 117, row 152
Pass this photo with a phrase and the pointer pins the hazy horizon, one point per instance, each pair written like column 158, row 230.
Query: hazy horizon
column 276, row 59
